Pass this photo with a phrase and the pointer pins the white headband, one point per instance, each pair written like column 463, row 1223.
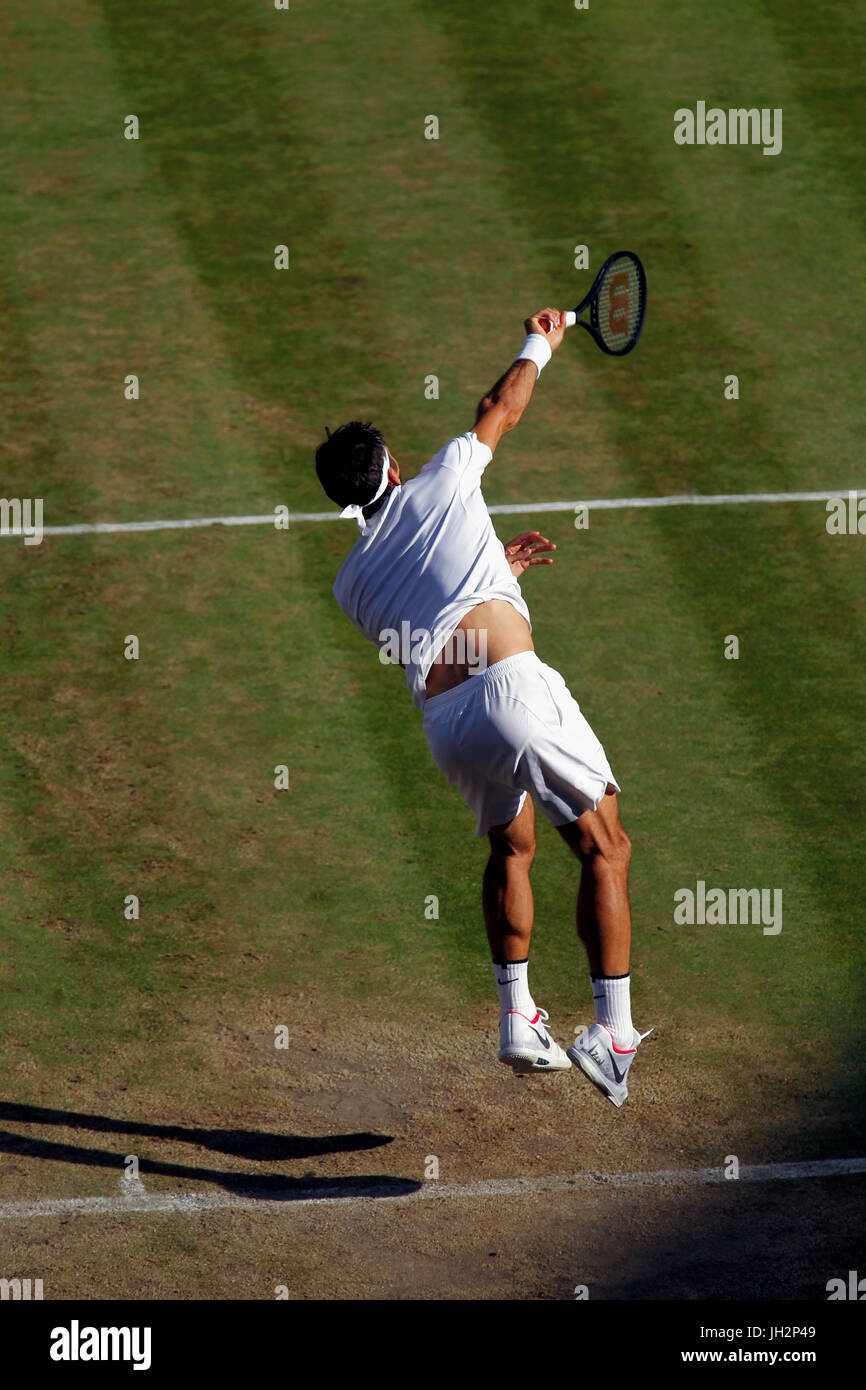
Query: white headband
column 356, row 509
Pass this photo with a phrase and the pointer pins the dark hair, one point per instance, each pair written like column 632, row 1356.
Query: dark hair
column 349, row 463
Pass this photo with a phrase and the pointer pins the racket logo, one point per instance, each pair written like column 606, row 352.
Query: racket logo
column 618, row 311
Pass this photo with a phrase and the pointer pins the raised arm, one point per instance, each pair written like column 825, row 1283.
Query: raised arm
column 502, row 407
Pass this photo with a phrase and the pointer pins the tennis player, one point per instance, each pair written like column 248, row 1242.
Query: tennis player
column 431, row 585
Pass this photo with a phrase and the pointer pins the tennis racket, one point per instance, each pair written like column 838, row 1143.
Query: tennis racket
column 616, row 304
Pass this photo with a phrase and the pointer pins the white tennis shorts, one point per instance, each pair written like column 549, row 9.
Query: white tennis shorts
column 515, row 729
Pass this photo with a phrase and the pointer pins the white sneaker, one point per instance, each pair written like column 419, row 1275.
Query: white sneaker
column 606, row 1065
column 526, row 1045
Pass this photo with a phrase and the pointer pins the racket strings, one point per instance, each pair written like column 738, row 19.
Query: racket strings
column 619, row 304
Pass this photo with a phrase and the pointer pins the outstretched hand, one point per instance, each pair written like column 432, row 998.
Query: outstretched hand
column 523, row 551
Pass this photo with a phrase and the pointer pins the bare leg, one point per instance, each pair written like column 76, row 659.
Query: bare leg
column 603, row 915
column 506, row 890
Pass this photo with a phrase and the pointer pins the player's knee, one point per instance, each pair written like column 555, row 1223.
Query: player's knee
column 518, row 849
column 623, row 849
column 616, row 851
column 610, row 851
column 523, row 852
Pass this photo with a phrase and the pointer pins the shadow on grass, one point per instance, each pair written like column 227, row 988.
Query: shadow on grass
column 238, row 1143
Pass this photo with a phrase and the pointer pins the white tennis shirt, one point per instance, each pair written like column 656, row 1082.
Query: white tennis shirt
column 427, row 557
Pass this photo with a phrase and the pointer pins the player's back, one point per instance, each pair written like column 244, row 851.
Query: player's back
column 426, row 558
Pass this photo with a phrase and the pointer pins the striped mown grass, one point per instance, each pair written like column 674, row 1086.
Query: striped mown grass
column 411, row 257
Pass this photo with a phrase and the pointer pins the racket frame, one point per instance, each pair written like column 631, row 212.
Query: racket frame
column 592, row 297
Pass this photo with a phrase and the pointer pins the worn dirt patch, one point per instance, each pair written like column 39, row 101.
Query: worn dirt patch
column 355, row 1097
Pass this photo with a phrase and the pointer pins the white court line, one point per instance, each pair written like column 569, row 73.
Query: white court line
column 138, row 1201
column 685, row 499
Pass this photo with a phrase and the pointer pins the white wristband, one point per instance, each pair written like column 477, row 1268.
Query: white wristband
column 537, row 349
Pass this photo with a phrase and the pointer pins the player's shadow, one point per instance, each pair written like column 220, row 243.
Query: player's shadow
column 238, row 1143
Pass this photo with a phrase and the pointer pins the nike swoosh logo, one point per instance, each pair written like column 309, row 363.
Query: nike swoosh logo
column 542, row 1038
column 598, row 1057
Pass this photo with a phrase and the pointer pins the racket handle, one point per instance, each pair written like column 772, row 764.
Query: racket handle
column 570, row 318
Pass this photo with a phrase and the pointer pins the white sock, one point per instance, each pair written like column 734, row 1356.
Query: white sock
column 513, row 986
column 612, row 995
